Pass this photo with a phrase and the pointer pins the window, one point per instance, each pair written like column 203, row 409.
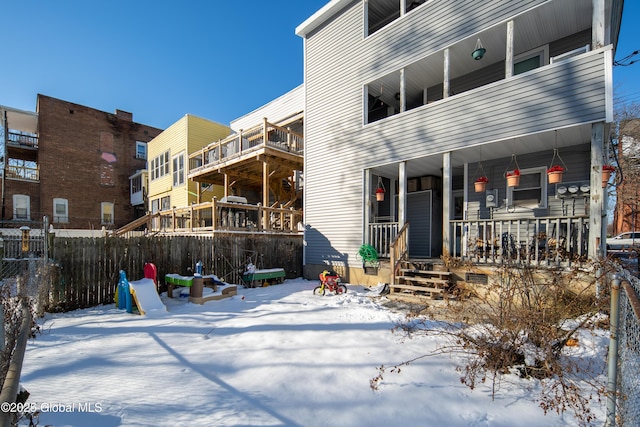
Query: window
column 531, row 60
column 532, row 191
column 106, row 209
column 160, row 166
column 165, row 203
column 178, row 170
column 21, row 207
column 141, row 150
column 136, row 184
column 60, row 210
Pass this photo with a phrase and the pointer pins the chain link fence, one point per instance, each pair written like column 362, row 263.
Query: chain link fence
column 628, row 401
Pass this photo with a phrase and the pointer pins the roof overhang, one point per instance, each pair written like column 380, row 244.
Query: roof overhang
column 26, row 121
column 322, row 15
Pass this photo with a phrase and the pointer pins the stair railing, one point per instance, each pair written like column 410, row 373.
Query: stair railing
column 399, row 250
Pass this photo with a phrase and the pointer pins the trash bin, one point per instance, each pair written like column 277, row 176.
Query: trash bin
column 196, row 287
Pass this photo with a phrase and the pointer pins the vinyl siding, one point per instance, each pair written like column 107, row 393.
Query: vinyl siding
column 338, row 146
column 280, row 108
column 187, row 135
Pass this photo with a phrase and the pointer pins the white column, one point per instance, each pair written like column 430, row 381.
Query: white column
column 366, row 201
column 445, row 80
column 598, row 24
column 447, row 202
column 403, row 87
column 508, row 62
column 597, row 207
column 402, row 194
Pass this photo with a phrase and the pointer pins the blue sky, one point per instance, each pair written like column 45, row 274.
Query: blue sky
column 217, row 59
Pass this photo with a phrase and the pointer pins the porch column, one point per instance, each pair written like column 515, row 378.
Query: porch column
column 403, row 98
column 402, row 194
column 226, row 186
column 445, row 80
column 597, row 201
column 598, row 24
column 508, row 62
column 447, row 189
column 367, row 204
column 265, row 193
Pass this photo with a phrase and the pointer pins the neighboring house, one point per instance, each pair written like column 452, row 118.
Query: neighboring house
column 626, row 215
column 70, row 163
column 395, row 100
column 168, row 163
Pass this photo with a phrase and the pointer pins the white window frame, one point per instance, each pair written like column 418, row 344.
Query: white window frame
column 177, row 163
column 542, row 51
column 543, row 191
column 141, row 150
column 20, row 200
column 160, row 166
column 106, row 208
column 57, row 218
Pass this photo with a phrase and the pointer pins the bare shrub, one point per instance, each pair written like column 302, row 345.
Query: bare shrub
column 520, row 324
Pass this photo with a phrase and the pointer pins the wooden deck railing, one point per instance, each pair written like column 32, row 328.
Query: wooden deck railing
column 265, row 135
column 399, row 250
column 221, row 216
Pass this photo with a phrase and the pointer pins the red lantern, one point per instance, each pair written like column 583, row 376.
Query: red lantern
column 380, row 194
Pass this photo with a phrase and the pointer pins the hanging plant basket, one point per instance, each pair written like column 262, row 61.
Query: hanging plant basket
column 513, row 175
column 514, row 179
column 481, row 184
column 607, row 170
column 556, row 170
column 554, row 174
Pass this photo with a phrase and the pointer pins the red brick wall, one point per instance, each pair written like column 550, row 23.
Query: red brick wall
column 86, row 156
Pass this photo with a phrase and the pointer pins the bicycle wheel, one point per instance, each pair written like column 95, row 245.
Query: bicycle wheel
column 318, row 290
column 341, row 289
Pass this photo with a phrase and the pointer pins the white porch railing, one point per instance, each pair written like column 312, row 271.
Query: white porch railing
column 381, row 235
column 534, row 240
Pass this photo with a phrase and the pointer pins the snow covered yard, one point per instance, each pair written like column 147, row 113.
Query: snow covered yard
column 274, row 356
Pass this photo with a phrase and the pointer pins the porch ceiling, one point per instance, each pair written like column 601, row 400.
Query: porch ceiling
column 432, row 165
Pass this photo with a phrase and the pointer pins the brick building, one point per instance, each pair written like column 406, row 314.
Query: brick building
column 71, row 163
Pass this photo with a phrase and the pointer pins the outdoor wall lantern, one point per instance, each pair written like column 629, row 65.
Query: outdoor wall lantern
column 380, row 190
column 479, row 51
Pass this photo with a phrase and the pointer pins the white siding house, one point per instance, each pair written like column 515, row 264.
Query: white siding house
column 394, row 98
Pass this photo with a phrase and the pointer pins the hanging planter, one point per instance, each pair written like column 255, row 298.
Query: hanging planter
column 554, row 174
column 513, row 175
column 479, row 51
column 481, row 184
column 557, row 168
column 607, row 170
column 380, row 190
column 513, row 178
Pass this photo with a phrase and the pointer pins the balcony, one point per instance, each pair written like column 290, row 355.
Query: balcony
column 23, row 172
column 22, row 140
column 279, row 147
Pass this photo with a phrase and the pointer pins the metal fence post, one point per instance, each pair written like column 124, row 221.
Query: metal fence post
column 612, row 359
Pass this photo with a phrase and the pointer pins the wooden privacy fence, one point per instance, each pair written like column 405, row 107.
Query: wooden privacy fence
column 88, row 268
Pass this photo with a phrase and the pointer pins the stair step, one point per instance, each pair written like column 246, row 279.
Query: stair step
column 427, row 280
column 428, row 272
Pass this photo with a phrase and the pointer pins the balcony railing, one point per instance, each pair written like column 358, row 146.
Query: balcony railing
column 234, row 146
column 22, row 172
column 221, row 216
column 23, row 140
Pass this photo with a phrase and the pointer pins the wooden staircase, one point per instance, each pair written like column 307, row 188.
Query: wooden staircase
column 419, row 280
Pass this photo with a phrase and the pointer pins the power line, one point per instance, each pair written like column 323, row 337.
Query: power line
column 627, row 60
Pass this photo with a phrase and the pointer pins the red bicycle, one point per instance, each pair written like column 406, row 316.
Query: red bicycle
column 329, row 281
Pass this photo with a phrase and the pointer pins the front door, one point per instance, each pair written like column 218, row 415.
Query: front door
column 419, row 217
